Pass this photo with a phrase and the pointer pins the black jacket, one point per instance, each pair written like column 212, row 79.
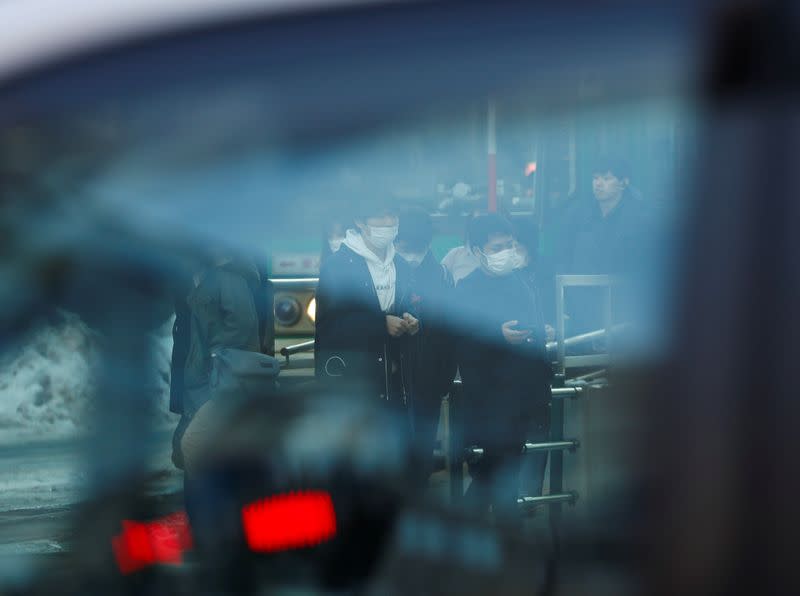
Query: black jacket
column 503, row 384
column 611, row 244
column 222, row 314
column 431, row 355
column 617, row 244
column 353, row 352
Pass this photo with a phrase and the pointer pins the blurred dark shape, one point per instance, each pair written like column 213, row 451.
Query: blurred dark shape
column 725, row 446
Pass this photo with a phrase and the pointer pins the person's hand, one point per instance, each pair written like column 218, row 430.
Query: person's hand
column 549, row 333
column 513, row 336
column 395, row 326
column 412, row 323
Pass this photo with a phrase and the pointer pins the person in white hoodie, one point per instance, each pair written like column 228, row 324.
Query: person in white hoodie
column 362, row 320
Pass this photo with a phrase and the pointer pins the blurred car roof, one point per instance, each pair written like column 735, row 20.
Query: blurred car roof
column 38, row 32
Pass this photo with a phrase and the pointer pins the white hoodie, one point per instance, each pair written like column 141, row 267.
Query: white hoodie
column 384, row 274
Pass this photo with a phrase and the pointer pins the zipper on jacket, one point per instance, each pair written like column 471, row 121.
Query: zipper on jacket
column 403, row 381
column 386, row 371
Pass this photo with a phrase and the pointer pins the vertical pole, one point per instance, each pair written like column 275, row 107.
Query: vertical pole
column 491, row 135
column 456, row 446
column 556, row 468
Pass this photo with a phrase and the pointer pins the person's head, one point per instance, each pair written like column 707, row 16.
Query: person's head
column 377, row 223
column 492, row 241
column 610, row 178
column 414, row 235
column 469, row 229
column 334, row 233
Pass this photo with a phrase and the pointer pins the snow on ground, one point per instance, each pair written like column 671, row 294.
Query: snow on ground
column 46, row 383
column 46, row 390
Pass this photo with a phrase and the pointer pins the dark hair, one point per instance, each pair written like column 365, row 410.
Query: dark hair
column 617, row 165
column 469, row 231
column 416, row 228
column 373, row 207
column 486, row 226
column 526, row 232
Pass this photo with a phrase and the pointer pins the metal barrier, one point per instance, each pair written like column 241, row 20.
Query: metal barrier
column 475, row 453
column 555, row 447
column 305, row 346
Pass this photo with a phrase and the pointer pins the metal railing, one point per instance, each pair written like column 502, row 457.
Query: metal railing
column 287, row 351
column 556, row 447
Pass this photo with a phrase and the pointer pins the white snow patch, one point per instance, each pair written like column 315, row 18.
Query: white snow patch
column 46, row 384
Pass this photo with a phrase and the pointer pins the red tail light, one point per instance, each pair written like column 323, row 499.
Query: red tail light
column 146, row 543
column 284, row 522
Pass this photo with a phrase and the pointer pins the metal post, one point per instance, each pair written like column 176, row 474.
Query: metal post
column 456, row 445
column 556, row 468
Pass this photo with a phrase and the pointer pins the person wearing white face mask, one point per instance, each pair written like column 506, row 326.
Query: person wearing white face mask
column 503, row 364
column 362, row 322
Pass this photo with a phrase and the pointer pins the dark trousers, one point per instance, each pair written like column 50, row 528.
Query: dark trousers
column 495, row 482
column 425, row 423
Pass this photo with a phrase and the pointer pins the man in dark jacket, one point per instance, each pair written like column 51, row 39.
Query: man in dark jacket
column 222, row 314
column 432, row 363
column 362, row 322
column 606, row 234
column 503, row 364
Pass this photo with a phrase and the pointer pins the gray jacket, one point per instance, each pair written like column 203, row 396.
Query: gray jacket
column 223, row 314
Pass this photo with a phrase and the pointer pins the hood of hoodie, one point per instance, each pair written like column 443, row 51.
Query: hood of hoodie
column 244, row 267
column 383, row 272
column 355, row 242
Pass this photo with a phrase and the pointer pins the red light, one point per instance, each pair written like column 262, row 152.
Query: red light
column 141, row 544
column 284, row 522
column 530, row 168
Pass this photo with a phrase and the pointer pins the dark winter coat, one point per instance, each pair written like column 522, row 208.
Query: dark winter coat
column 222, row 314
column 353, row 350
column 431, row 354
column 503, row 385
column 616, row 244
column 611, row 244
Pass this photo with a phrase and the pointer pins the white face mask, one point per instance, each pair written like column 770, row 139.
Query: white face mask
column 500, row 263
column 335, row 244
column 382, row 236
column 412, row 258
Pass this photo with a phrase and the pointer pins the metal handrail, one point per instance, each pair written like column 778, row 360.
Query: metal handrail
column 529, row 503
column 585, row 337
column 305, row 346
column 569, row 444
column 567, row 392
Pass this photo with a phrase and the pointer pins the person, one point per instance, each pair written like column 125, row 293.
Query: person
column 461, row 261
column 607, row 235
column 333, row 235
column 503, row 364
column 362, row 322
column 222, row 314
column 431, row 361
